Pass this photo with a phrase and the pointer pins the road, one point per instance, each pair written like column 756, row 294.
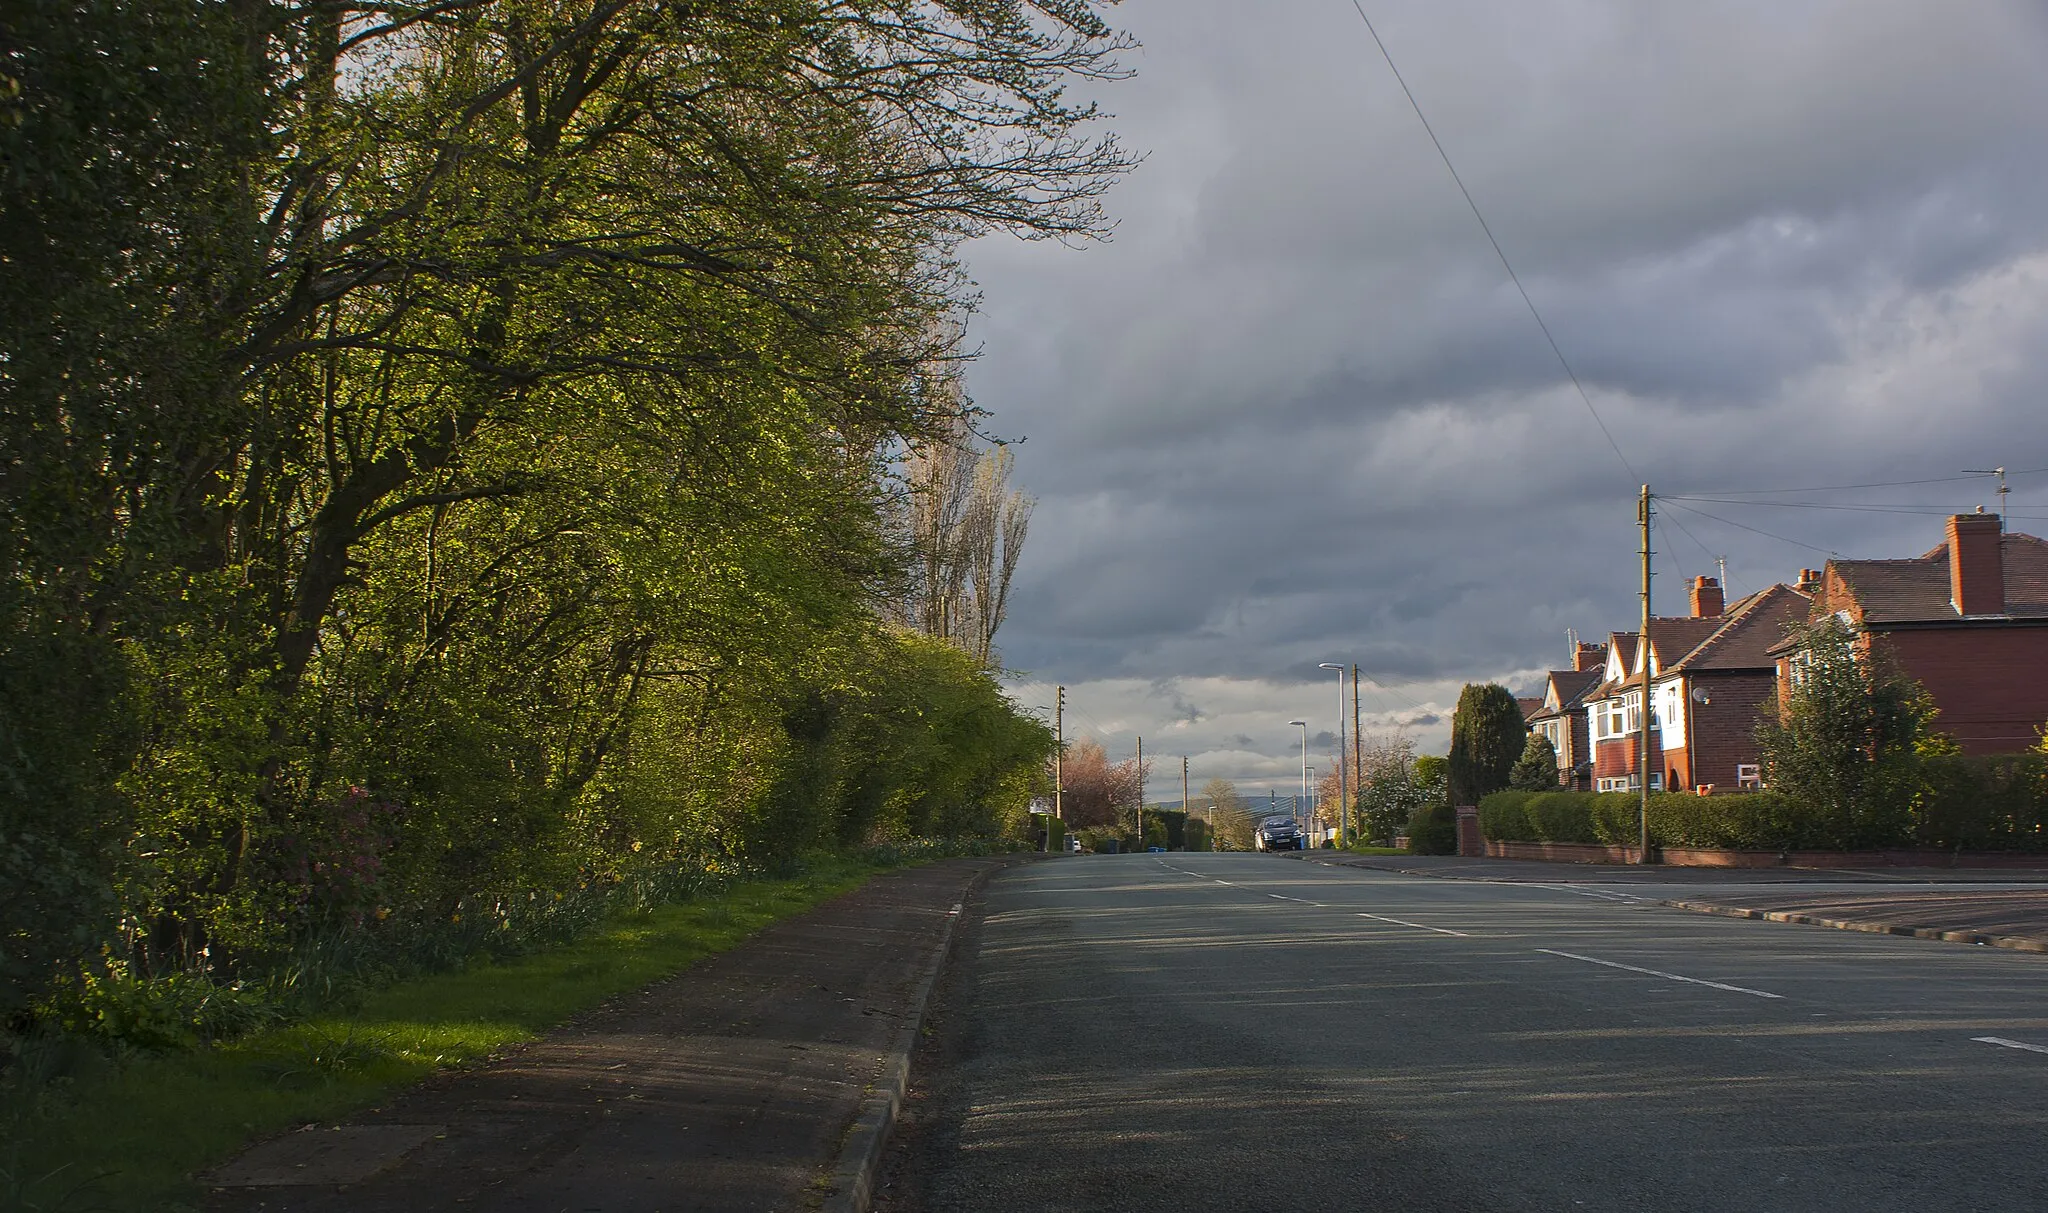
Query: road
column 1254, row 1032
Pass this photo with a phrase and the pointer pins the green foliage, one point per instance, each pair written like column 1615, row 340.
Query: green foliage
column 1486, row 738
column 1845, row 745
column 1433, row 829
column 1230, row 815
column 1536, row 769
column 1395, row 787
column 1097, row 839
column 80, row 1132
column 449, row 470
column 1993, row 803
column 1746, row 821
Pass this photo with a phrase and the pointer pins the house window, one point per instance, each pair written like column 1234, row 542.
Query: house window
column 1796, row 666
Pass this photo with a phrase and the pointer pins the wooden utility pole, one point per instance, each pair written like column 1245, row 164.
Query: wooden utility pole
column 1643, row 718
column 1059, row 752
column 1357, row 746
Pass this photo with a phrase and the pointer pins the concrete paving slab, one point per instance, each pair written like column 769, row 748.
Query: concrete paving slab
column 735, row 1085
column 338, row 1154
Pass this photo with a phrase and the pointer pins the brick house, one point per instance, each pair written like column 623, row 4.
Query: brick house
column 1967, row 620
column 1712, row 673
column 1562, row 716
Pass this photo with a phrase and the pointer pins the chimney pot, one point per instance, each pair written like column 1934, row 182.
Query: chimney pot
column 1707, row 600
column 1976, row 564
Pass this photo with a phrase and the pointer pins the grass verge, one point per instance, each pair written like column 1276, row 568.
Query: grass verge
column 132, row 1136
column 1356, row 849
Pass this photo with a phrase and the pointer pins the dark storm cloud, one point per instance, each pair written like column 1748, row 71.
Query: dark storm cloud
column 1296, row 412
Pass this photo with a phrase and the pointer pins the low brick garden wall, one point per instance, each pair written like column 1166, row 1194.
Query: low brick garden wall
column 1691, row 857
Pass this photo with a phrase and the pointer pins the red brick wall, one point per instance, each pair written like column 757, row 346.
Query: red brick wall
column 1724, row 730
column 1976, row 568
column 1616, row 756
column 1989, row 682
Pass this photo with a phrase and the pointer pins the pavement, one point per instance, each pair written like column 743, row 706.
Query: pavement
column 1166, row 1032
column 765, row 1078
column 1986, row 907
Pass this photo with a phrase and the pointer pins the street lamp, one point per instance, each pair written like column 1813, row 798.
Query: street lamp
column 1304, row 765
column 1315, row 798
column 1343, row 778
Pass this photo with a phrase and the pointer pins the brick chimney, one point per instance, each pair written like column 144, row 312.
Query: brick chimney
column 1589, row 657
column 1809, row 582
column 1706, row 598
column 1976, row 568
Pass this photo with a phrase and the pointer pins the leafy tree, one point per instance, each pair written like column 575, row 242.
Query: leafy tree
column 1486, row 738
column 1230, row 813
column 451, row 445
column 1844, row 742
column 964, row 529
column 1394, row 786
column 1536, row 769
column 1099, row 792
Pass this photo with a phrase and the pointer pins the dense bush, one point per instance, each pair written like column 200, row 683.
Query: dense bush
column 1433, row 829
column 1488, row 736
column 1996, row 803
column 1989, row 804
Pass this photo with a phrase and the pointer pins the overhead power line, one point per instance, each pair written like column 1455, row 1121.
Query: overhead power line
column 1713, row 494
column 1562, row 361
column 1798, row 543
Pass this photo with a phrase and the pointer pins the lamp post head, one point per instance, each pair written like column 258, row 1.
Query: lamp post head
column 1329, row 665
column 1302, row 723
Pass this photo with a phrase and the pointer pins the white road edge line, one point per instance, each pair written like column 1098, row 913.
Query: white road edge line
column 1402, row 922
column 1698, row 981
column 2010, row 1044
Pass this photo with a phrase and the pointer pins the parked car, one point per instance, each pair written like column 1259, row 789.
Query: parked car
column 1278, row 834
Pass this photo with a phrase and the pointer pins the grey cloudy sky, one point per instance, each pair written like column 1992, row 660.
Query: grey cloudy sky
column 1295, row 412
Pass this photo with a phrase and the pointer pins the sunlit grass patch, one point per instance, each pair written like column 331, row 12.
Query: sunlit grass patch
column 87, row 1133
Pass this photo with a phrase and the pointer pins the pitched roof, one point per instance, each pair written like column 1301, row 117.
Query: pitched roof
column 1568, row 687
column 1530, row 704
column 1917, row 590
column 1673, row 637
column 1572, row 685
column 1747, row 632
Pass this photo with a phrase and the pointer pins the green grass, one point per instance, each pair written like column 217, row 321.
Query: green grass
column 1357, row 849
column 132, row 1136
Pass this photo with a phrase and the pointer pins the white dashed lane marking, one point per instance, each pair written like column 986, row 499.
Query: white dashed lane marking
column 2010, row 1044
column 1402, row 922
column 1697, row 981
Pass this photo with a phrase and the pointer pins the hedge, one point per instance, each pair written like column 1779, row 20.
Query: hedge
column 1749, row 821
column 1997, row 803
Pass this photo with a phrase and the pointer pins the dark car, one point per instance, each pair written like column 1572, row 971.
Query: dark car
column 1278, row 834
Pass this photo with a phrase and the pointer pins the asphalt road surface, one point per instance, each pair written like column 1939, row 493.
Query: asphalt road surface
column 1252, row 1032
